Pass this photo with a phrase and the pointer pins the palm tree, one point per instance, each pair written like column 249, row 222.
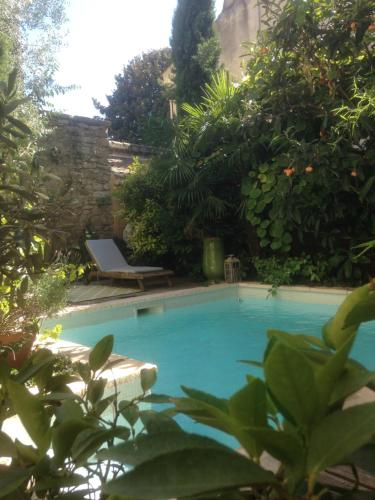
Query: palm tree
column 206, row 175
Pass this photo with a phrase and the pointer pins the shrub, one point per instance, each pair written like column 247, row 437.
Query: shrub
column 156, row 227
column 26, row 240
column 75, row 427
column 291, row 148
column 278, row 271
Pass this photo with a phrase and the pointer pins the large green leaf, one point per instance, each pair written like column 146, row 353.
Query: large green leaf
column 34, row 366
column 130, row 413
column 157, row 398
column 351, row 380
column 210, row 415
column 68, row 410
column 156, row 422
column 330, row 373
column 95, row 390
column 11, row 478
column 203, row 412
column 148, row 378
column 290, row 379
column 364, row 309
column 27, row 453
column 358, row 307
column 299, row 341
column 64, row 435
column 146, row 446
column 64, row 481
column 89, row 441
column 32, row 415
column 20, row 125
column 7, row 447
column 339, row 435
column 189, row 472
column 219, row 403
column 12, row 80
column 282, row 445
column 249, row 407
column 10, row 106
column 101, row 406
column 101, row 352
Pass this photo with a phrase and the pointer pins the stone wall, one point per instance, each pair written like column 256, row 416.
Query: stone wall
column 77, row 151
column 89, row 168
column 238, row 22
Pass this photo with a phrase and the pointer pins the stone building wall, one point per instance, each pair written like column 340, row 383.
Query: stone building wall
column 89, row 168
column 77, row 151
column 238, row 22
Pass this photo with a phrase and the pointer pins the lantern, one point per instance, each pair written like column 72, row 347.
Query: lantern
column 232, row 273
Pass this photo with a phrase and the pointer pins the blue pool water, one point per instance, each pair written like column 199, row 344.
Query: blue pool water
column 199, row 346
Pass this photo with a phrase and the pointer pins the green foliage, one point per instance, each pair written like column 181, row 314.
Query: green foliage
column 195, row 49
column 138, row 108
column 34, row 33
column 47, row 295
column 365, row 247
column 281, row 164
column 290, row 270
column 358, row 307
column 155, row 230
column 296, row 414
column 204, row 180
column 5, row 59
column 25, row 237
column 77, row 428
column 311, row 78
column 291, row 148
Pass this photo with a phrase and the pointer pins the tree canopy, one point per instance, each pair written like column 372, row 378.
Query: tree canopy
column 195, row 48
column 32, row 30
column 138, row 108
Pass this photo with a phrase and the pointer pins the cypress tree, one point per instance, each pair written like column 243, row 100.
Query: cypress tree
column 195, row 48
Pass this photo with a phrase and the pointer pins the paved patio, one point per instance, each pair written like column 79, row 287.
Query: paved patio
column 105, row 290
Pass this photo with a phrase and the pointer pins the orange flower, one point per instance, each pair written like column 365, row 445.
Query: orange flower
column 289, row 171
column 353, row 173
column 264, row 51
column 309, row 169
column 371, row 28
column 354, row 25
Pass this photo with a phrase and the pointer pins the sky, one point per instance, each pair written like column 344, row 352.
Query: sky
column 103, row 35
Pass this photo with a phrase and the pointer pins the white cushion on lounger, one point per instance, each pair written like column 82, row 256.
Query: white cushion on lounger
column 109, row 258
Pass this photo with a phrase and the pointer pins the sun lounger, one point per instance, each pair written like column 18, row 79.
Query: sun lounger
column 111, row 263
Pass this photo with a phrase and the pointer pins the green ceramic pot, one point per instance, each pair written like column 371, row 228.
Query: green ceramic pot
column 213, row 258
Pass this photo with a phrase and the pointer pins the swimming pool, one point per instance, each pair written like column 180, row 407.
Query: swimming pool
column 197, row 339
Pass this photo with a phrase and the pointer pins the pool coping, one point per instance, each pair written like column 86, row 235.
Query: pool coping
column 140, row 299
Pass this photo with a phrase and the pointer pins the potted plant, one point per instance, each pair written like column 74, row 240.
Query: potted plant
column 213, row 258
column 19, row 325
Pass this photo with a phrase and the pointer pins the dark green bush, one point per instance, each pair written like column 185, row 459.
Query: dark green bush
column 290, row 150
column 278, row 271
column 155, row 229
